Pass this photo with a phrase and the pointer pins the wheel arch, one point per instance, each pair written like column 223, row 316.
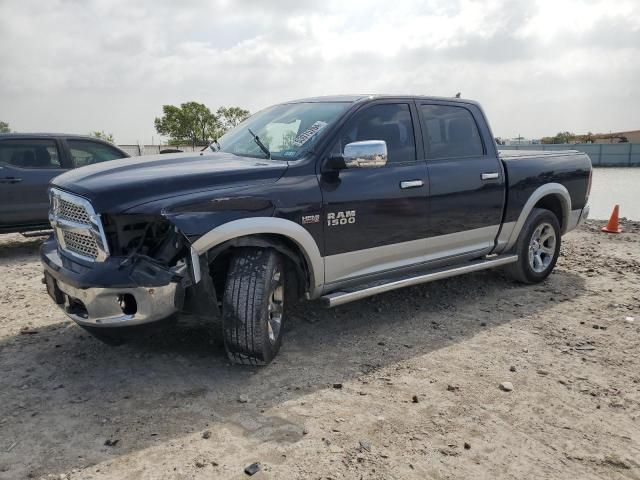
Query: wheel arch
column 553, row 203
column 551, row 196
column 287, row 237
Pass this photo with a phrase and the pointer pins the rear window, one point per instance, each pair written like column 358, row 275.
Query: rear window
column 86, row 152
column 450, row 132
column 29, row 153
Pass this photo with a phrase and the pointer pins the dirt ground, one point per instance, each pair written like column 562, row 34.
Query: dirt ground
column 402, row 385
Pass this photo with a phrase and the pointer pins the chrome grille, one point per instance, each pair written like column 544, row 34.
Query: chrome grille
column 73, row 212
column 77, row 226
column 81, row 243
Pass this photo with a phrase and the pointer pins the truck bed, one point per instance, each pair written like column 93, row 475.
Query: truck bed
column 526, row 170
column 515, row 154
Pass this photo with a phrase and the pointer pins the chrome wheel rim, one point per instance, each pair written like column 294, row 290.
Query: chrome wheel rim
column 542, row 247
column 275, row 307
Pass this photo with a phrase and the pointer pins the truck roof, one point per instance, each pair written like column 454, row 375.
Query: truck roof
column 45, row 135
column 362, row 97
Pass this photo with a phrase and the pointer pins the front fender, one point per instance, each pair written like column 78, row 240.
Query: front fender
column 199, row 218
column 274, row 226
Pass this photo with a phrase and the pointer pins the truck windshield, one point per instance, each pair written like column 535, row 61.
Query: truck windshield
column 287, row 131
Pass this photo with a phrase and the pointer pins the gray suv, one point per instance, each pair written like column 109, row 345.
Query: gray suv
column 28, row 161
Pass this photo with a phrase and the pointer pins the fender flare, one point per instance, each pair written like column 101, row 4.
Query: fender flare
column 545, row 190
column 269, row 225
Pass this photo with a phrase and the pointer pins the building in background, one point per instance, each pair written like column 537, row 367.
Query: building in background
column 631, row 136
column 628, row 136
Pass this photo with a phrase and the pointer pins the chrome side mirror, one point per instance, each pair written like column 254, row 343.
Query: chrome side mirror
column 365, row 154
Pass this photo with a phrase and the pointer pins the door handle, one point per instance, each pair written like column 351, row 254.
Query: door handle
column 490, row 176
column 411, row 184
column 10, row 180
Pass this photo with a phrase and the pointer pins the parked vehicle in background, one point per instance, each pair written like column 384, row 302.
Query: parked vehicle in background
column 334, row 198
column 29, row 161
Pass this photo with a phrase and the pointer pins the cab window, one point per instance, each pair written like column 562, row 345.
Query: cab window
column 390, row 122
column 450, row 132
column 86, row 152
column 30, row 153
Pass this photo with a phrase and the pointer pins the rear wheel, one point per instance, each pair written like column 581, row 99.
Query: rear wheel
column 253, row 308
column 537, row 248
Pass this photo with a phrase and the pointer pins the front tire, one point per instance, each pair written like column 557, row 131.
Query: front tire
column 253, row 307
column 538, row 247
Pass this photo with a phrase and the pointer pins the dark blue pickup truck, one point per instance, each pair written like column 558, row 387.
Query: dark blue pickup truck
column 29, row 161
column 332, row 198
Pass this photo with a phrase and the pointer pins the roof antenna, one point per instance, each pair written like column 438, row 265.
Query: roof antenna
column 458, row 95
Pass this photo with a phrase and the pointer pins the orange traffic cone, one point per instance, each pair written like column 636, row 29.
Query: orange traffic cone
column 612, row 226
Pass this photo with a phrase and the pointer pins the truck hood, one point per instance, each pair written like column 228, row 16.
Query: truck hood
column 119, row 185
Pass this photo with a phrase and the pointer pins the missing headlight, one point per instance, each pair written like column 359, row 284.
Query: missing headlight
column 149, row 235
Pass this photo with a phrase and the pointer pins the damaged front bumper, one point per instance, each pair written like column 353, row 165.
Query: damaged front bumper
column 113, row 293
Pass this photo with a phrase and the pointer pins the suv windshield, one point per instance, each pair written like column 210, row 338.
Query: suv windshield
column 287, row 131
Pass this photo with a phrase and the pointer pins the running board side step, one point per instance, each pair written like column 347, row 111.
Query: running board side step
column 339, row 298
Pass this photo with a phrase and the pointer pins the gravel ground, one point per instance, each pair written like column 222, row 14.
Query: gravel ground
column 402, row 385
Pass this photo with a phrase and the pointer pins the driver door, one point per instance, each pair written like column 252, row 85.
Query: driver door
column 375, row 219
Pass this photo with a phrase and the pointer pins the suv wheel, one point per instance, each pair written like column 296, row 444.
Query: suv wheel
column 537, row 248
column 253, row 307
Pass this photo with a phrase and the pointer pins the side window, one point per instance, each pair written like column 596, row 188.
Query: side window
column 29, row 153
column 390, row 122
column 86, row 152
column 450, row 132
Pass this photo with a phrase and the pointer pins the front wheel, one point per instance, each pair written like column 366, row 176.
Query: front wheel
column 253, row 308
column 537, row 248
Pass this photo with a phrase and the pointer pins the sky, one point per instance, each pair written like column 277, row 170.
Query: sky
column 536, row 66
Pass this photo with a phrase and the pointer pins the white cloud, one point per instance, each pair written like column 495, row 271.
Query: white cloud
column 537, row 66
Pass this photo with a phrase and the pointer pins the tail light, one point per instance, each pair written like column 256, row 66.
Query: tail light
column 589, row 184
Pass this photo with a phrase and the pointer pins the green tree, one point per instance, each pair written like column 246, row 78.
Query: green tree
column 231, row 116
column 4, row 127
column 191, row 122
column 104, row 136
column 560, row 137
column 564, row 137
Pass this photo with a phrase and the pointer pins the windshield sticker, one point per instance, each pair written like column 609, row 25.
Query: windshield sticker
column 308, row 133
column 289, row 153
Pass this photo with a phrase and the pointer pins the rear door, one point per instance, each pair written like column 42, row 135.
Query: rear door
column 375, row 219
column 466, row 180
column 26, row 168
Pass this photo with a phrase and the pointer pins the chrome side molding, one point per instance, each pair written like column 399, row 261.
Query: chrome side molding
column 339, row 298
